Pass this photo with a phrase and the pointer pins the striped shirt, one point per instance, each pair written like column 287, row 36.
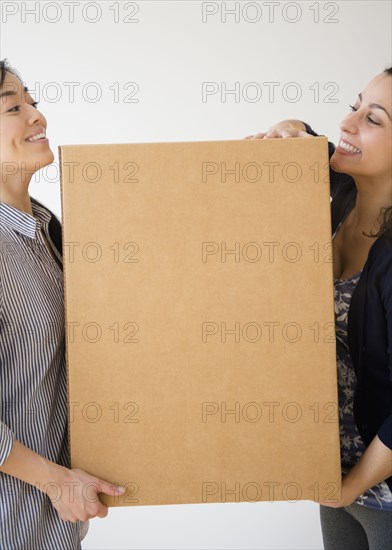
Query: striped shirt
column 33, row 381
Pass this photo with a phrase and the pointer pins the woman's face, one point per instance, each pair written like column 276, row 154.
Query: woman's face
column 368, row 127
column 19, row 120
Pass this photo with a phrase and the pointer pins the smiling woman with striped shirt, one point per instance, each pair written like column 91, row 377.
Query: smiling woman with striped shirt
column 43, row 503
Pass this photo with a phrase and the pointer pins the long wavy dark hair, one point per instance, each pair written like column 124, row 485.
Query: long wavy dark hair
column 385, row 216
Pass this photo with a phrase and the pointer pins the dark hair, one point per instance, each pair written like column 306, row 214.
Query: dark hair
column 5, row 68
column 385, row 216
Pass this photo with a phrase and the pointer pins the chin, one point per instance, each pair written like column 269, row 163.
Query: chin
column 51, row 157
column 46, row 158
column 43, row 160
column 334, row 164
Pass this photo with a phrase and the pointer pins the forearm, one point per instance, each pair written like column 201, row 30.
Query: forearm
column 28, row 466
column 374, row 466
column 73, row 492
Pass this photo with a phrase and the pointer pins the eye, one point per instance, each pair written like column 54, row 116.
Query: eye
column 17, row 107
column 369, row 119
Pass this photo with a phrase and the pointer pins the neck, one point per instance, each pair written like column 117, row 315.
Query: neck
column 20, row 201
column 372, row 196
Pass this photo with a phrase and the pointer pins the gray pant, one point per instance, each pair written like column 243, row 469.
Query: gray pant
column 356, row 527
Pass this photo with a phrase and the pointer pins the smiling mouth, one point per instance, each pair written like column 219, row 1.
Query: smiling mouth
column 348, row 148
column 38, row 137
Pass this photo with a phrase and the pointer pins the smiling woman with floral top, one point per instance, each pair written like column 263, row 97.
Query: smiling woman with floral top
column 361, row 208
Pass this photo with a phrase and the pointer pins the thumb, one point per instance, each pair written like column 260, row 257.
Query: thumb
column 110, row 489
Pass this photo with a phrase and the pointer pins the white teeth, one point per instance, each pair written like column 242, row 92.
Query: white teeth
column 349, row 148
column 36, row 137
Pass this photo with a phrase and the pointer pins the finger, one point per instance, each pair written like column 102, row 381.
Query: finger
column 260, row 135
column 302, row 133
column 288, row 133
column 272, row 134
column 110, row 488
column 68, row 517
column 248, row 137
column 102, row 511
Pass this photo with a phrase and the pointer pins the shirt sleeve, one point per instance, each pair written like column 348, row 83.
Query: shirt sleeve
column 6, row 442
column 385, row 431
column 6, row 435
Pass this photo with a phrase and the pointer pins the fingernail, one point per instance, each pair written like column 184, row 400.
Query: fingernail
column 121, row 489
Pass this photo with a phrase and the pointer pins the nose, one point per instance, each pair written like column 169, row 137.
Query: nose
column 36, row 116
column 350, row 123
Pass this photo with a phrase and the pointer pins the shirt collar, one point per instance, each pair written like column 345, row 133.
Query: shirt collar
column 22, row 222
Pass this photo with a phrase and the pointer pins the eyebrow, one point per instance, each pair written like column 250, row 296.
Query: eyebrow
column 10, row 92
column 376, row 106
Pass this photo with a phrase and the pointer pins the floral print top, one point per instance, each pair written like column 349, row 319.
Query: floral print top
column 351, row 444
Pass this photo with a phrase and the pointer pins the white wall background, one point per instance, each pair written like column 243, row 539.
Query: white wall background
column 319, row 54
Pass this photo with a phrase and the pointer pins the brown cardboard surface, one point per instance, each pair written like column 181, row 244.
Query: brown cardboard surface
column 199, row 308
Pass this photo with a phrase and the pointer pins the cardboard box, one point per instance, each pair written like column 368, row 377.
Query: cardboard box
column 200, row 313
